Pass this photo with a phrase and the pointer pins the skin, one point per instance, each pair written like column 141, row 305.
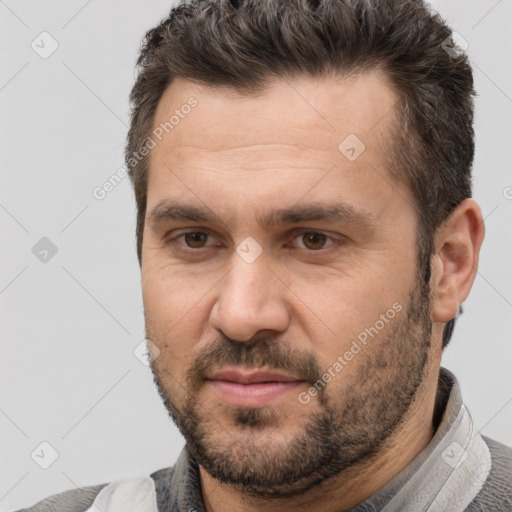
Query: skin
column 242, row 157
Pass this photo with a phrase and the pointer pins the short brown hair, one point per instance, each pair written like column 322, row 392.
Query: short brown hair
column 245, row 44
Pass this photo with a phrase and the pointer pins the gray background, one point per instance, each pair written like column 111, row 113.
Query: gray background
column 69, row 325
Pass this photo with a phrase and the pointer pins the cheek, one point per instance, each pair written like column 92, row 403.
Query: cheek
column 174, row 316
column 338, row 310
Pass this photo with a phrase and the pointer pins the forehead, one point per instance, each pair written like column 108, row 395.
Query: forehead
column 314, row 111
column 217, row 140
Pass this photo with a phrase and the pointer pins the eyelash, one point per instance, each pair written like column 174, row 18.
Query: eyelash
column 170, row 240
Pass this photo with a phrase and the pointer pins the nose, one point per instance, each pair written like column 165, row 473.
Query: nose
column 250, row 299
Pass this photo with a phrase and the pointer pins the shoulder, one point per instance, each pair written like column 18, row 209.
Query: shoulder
column 496, row 494
column 147, row 490
column 74, row 500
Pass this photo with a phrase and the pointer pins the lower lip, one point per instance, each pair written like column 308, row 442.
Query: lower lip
column 257, row 394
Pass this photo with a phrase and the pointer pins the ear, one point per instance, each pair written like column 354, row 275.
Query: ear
column 455, row 263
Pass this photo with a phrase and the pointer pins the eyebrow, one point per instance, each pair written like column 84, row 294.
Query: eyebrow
column 174, row 211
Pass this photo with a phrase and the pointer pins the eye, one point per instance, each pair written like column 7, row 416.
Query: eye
column 195, row 240
column 313, row 240
column 192, row 239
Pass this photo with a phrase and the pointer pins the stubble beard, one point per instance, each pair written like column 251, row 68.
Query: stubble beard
column 346, row 428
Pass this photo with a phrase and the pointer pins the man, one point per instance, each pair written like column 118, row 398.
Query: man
column 306, row 236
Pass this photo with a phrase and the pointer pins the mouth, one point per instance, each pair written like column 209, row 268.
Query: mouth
column 255, row 388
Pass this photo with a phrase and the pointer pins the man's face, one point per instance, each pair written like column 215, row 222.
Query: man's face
column 290, row 318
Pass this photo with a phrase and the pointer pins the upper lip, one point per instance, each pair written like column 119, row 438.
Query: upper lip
column 251, row 377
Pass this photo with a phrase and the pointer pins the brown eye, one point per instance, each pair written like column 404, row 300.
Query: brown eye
column 195, row 240
column 314, row 241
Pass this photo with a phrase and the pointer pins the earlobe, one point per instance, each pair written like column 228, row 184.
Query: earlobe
column 457, row 241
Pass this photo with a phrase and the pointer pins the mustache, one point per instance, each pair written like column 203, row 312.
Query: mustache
column 254, row 354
